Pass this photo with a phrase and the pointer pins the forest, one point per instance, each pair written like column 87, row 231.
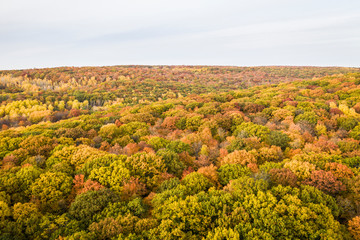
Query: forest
column 180, row 152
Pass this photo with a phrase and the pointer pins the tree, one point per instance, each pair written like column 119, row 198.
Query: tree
column 239, row 157
column 133, row 188
column 249, row 129
column 106, row 229
column 278, row 139
column 73, row 133
column 265, row 154
column 132, row 127
column 326, row 182
column 112, row 176
column 88, row 204
column 51, row 188
column 158, row 143
column 282, row 206
column 147, row 167
column 27, row 175
column 348, row 145
column 193, row 123
column 100, row 160
column 339, row 170
column 196, row 182
column 283, row 176
column 169, row 122
column 301, row 169
column 229, row 172
column 172, row 161
column 354, row 227
column 355, row 132
column 347, row 123
column 109, row 131
column 5, row 210
column 38, row 145
column 223, row 233
column 236, row 144
column 178, row 146
column 28, row 218
column 309, row 117
column 192, row 215
column 80, row 186
column 211, row 173
column 84, row 154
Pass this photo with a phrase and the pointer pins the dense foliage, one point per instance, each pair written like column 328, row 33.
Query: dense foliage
column 276, row 161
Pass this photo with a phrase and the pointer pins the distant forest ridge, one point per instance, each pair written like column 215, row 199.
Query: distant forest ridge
column 261, row 74
column 153, row 80
column 183, row 71
column 60, row 90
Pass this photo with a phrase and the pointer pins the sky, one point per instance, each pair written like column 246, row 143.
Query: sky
column 49, row 33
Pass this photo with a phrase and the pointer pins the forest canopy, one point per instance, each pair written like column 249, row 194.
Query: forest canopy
column 180, row 152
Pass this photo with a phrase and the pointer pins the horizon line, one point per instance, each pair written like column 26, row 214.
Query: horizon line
column 174, row 65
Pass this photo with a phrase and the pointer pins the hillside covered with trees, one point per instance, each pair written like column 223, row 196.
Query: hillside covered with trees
column 180, row 152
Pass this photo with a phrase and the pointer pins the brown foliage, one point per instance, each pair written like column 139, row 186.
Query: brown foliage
column 283, row 176
column 80, row 186
column 326, row 182
column 131, row 149
column 92, row 133
column 325, row 145
column 222, row 153
column 330, row 124
column 106, row 228
column 336, row 111
column 118, row 123
column 253, row 108
column 9, row 162
column 202, row 161
column 74, row 113
column 253, row 167
column 169, row 122
column 339, row 170
column 357, row 107
column 210, row 172
column 105, row 146
column 308, row 137
column 186, row 172
column 116, row 149
column 133, row 188
column 38, row 145
column 187, row 159
column 253, row 143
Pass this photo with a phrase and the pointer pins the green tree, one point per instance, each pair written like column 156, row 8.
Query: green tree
column 172, row 161
column 109, row 131
column 113, row 176
column 278, row 138
column 229, row 172
column 158, row 143
column 147, row 167
column 51, row 189
column 196, row 182
column 249, row 129
column 88, row 204
column 309, row 117
column 27, row 175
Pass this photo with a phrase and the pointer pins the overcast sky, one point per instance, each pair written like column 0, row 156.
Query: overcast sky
column 49, row 33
